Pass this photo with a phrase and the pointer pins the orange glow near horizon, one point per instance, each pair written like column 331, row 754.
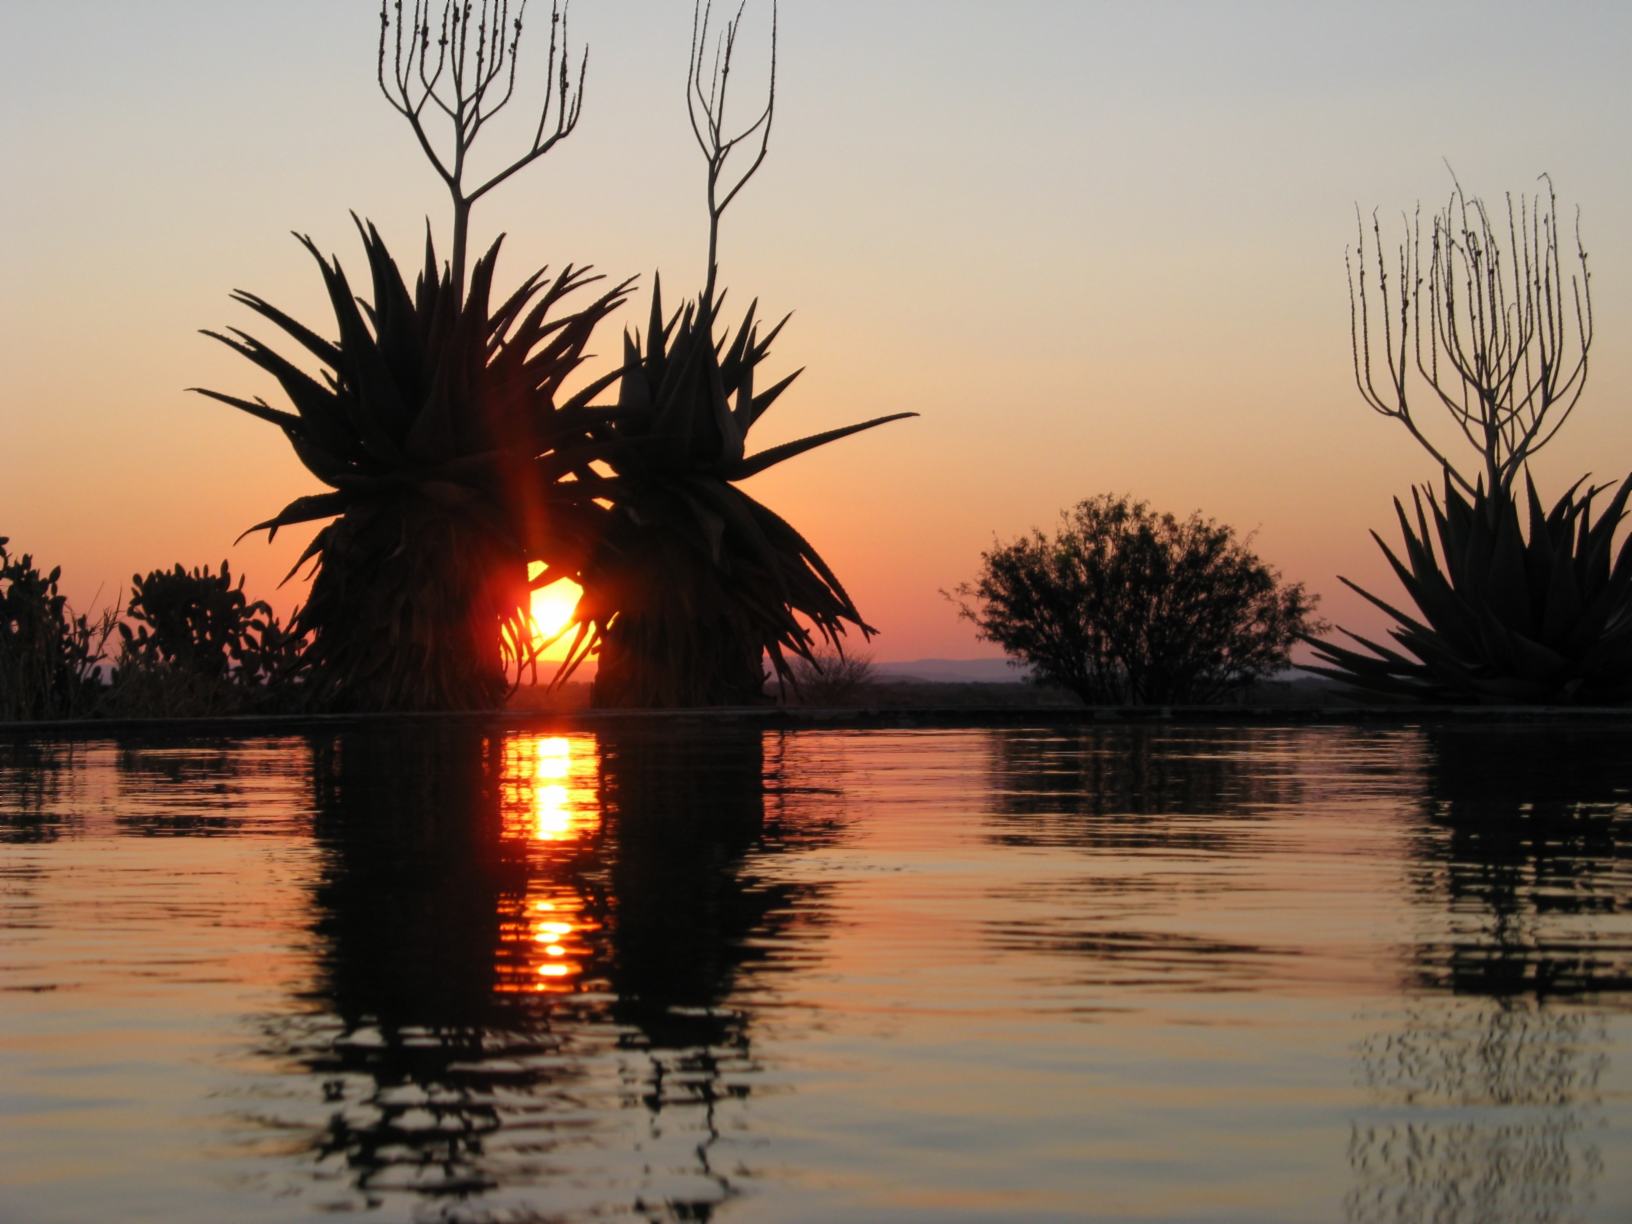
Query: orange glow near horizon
column 551, row 612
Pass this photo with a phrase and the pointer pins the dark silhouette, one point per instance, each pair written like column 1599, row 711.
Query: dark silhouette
column 193, row 644
column 436, row 406
column 452, row 468
column 1501, row 618
column 430, row 428
column 829, row 678
column 1126, row 606
column 1503, row 614
column 49, row 656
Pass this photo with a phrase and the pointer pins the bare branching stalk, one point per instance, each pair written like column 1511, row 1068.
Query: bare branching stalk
column 464, row 68
column 707, row 113
column 1490, row 324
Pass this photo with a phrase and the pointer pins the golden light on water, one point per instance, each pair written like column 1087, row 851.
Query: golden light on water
column 551, row 809
column 548, row 788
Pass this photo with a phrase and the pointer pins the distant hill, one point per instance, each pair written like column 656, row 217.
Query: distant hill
column 952, row 671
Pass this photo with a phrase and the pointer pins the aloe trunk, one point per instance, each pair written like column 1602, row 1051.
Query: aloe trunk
column 407, row 612
column 678, row 640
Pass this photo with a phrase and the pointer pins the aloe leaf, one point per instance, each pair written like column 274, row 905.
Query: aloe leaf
column 761, row 403
column 757, row 463
column 1398, row 615
column 324, row 350
column 302, row 510
column 287, row 421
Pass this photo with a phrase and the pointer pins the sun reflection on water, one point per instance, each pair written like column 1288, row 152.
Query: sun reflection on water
column 551, row 815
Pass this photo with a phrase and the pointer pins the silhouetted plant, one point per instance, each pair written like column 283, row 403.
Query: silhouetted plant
column 427, row 425
column 191, row 619
column 1124, row 605
column 695, row 581
column 452, row 468
column 829, row 678
column 49, row 657
column 1502, row 618
column 1503, row 348
column 433, row 405
column 193, row 644
column 1497, row 350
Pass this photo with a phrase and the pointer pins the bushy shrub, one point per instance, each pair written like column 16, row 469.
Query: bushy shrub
column 1126, row 606
column 49, row 657
column 829, row 678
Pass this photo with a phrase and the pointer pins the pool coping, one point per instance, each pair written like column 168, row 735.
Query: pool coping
column 798, row 718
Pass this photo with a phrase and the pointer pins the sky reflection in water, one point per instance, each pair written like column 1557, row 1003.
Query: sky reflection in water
column 1126, row 973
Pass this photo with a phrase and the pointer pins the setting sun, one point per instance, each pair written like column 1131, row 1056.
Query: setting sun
column 552, row 609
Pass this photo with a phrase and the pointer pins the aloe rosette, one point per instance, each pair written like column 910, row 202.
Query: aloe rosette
column 427, row 423
column 1503, row 617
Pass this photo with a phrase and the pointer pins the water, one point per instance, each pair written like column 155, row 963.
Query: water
column 1136, row 973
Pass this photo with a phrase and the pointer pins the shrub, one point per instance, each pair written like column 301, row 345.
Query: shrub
column 831, row 678
column 193, row 644
column 1127, row 606
column 49, row 657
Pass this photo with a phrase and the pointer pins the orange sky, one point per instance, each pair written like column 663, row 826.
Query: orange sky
column 1098, row 247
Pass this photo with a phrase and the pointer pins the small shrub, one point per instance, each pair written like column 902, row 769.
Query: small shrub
column 49, row 657
column 829, row 678
column 194, row 645
column 1126, row 606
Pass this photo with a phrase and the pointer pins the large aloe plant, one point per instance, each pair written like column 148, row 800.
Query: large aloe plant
column 1502, row 617
column 694, row 580
column 427, row 424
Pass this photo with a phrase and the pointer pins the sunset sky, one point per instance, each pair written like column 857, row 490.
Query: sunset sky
column 1099, row 247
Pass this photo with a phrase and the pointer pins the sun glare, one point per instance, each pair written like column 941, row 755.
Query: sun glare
column 552, row 608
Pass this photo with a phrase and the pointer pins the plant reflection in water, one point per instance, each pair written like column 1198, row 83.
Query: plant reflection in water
column 1483, row 1086
column 525, row 942
column 1485, row 1089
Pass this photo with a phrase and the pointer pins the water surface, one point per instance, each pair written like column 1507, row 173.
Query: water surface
column 1140, row 973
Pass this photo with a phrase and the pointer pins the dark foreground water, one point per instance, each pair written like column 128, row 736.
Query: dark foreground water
column 1132, row 973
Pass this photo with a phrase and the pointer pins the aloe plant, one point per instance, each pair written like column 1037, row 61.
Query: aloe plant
column 1503, row 617
column 427, row 425
column 694, row 580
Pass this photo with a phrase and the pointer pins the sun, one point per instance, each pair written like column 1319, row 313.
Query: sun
column 551, row 610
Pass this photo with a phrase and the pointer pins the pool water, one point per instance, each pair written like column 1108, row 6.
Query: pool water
column 699, row 971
